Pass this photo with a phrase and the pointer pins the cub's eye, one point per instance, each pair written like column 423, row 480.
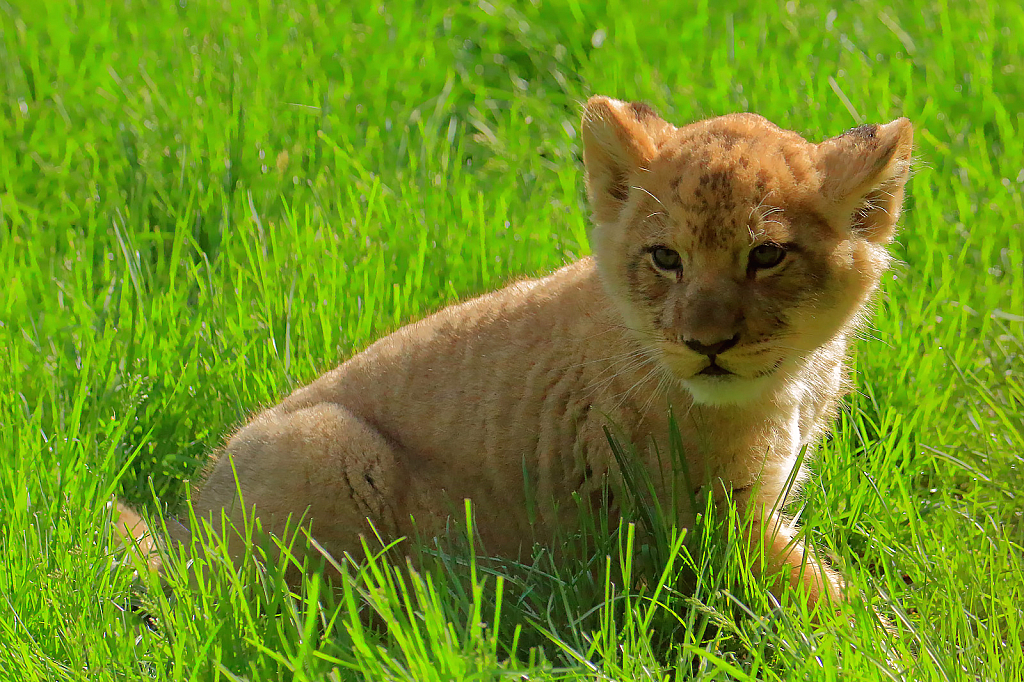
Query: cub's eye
column 766, row 256
column 665, row 258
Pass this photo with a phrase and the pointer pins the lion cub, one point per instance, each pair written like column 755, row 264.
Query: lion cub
column 732, row 263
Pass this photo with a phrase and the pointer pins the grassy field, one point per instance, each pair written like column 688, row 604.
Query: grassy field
column 204, row 205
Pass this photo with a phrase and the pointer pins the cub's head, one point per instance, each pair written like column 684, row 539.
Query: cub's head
column 733, row 248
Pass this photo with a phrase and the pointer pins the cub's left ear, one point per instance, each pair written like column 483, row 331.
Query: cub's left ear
column 864, row 172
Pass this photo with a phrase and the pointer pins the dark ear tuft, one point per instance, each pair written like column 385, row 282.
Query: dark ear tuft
column 866, row 131
column 642, row 111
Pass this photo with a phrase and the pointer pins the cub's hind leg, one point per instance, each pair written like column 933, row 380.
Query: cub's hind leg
column 322, row 464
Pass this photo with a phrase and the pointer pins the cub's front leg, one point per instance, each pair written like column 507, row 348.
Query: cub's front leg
column 757, row 466
column 779, row 557
column 321, row 464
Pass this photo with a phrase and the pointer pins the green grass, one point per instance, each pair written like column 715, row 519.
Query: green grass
column 204, row 205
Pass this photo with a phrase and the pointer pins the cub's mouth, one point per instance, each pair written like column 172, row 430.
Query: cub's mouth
column 714, row 370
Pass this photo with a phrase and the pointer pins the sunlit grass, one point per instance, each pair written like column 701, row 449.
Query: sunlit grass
column 204, row 205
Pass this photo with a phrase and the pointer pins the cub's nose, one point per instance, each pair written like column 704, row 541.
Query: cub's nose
column 712, row 349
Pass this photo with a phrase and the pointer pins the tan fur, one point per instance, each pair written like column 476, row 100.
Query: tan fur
column 460, row 404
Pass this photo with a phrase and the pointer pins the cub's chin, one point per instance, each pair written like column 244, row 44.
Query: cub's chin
column 726, row 389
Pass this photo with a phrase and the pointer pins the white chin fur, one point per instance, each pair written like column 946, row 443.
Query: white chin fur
column 725, row 390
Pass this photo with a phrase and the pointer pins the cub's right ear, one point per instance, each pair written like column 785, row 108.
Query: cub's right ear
column 618, row 139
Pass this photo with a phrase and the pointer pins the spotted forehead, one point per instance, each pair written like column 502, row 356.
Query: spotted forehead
column 716, row 190
column 717, row 206
column 721, row 185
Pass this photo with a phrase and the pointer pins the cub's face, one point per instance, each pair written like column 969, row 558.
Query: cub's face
column 734, row 249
